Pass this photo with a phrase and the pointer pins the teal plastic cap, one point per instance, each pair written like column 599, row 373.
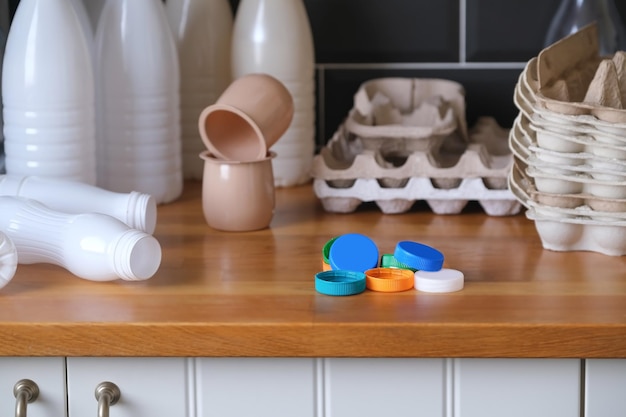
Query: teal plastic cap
column 340, row 283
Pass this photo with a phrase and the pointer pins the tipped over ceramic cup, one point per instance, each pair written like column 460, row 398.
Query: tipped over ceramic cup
column 247, row 119
column 238, row 196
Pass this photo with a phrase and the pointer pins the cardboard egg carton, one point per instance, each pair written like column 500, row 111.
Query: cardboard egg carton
column 579, row 234
column 574, row 79
column 576, row 137
column 577, row 222
column 447, row 175
column 528, row 153
column 524, row 188
column 407, row 109
column 569, row 146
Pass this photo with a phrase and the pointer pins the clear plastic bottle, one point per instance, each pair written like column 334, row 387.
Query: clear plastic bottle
column 137, row 79
column 48, row 93
column 274, row 37
column 203, row 32
column 135, row 209
column 572, row 15
column 92, row 246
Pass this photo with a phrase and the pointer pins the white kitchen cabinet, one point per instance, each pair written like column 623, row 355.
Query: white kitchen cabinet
column 315, row 387
column 155, row 387
column 517, row 387
column 259, row 387
column 605, row 380
column 47, row 373
column 373, row 387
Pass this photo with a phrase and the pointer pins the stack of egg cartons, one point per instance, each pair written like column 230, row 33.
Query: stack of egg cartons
column 406, row 139
column 569, row 145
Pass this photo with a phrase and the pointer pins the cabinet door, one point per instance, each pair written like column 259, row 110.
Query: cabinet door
column 259, row 387
column 605, row 380
column 374, row 387
column 155, row 387
column 517, row 387
column 47, row 373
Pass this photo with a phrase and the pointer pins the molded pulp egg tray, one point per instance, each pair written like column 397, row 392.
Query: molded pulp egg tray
column 569, row 145
column 406, row 140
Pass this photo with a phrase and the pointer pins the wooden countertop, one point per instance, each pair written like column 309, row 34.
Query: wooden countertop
column 252, row 294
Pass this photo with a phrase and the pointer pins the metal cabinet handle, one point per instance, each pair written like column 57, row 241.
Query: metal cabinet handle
column 107, row 394
column 25, row 391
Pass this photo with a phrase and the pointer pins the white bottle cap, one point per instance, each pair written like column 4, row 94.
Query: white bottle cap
column 444, row 280
column 8, row 259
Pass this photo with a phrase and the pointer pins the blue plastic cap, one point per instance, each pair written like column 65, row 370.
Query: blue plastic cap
column 418, row 256
column 353, row 252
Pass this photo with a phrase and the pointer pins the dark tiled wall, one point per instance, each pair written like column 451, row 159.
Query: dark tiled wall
column 482, row 44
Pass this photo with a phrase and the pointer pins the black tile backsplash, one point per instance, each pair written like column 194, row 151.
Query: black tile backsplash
column 349, row 31
column 509, row 31
column 482, row 44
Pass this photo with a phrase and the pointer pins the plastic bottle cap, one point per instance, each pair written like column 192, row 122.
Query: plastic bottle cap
column 326, row 266
column 444, row 280
column 389, row 261
column 418, row 256
column 353, row 252
column 326, row 248
column 389, row 279
column 340, row 283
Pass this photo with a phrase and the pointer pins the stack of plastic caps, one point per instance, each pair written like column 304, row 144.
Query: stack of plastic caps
column 570, row 147
column 95, row 234
column 350, row 264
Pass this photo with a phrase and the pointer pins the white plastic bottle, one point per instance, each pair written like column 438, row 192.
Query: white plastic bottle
column 93, row 9
column 8, row 259
column 203, row 32
column 137, row 79
column 137, row 210
column 92, row 246
column 48, row 93
column 85, row 23
column 274, row 37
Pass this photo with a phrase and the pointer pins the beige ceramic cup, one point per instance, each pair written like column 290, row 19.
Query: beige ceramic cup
column 247, row 119
column 238, row 196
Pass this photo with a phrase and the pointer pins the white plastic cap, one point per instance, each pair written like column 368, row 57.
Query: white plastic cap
column 444, row 280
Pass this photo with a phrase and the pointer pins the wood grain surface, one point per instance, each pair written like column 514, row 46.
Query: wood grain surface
column 252, row 294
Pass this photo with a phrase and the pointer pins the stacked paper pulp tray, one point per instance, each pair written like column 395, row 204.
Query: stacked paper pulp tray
column 569, row 145
column 406, row 140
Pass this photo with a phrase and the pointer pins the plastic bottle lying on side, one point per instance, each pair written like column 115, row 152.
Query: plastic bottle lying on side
column 92, row 246
column 8, row 259
column 137, row 210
